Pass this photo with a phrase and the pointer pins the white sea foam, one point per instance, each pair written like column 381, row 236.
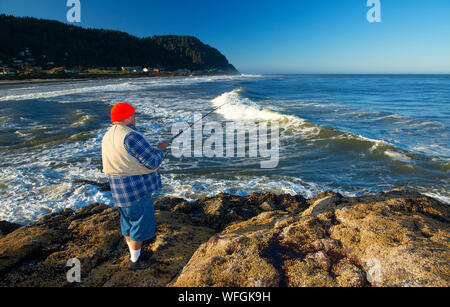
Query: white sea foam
column 376, row 143
column 397, row 156
column 82, row 120
column 235, row 107
column 41, row 183
column 192, row 188
column 438, row 196
column 392, row 116
column 55, row 90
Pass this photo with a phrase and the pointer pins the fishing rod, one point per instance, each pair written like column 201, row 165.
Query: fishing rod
column 106, row 187
column 190, row 126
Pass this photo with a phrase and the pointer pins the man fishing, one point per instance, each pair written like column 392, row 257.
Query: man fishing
column 132, row 166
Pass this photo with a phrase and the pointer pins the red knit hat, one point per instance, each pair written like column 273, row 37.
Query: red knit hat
column 121, row 111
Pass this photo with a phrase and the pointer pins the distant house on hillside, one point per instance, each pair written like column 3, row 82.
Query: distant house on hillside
column 154, row 69
column 131, row 68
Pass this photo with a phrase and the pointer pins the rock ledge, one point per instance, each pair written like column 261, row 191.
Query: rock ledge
column 395, row 238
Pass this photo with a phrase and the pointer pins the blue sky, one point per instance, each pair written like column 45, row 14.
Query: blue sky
column 299, row 36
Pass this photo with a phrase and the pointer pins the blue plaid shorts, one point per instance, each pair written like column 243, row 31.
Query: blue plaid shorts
column 138, row 220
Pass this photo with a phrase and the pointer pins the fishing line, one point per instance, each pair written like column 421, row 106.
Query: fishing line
column 190, row 126
column 106, row 186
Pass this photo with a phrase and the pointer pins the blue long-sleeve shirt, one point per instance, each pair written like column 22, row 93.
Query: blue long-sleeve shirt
column 127, row 190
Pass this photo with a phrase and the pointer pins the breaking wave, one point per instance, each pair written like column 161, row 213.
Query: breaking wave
column 240, row 105
column 236, row 106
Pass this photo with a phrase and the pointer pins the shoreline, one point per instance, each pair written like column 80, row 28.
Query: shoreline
column 262, row 240
column 92, row 77
column 106, row 187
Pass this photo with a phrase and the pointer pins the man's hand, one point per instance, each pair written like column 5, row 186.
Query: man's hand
column 164, row 145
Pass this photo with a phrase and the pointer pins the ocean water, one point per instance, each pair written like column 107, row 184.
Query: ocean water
column 352, row 134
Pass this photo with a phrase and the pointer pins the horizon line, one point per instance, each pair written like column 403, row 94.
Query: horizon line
column 346, row 73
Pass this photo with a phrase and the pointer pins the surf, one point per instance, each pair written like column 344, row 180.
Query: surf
column 241, row 104
column 237, row 107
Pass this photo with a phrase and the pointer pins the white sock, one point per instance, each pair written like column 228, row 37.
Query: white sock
column 129, row 246
column 134, row 254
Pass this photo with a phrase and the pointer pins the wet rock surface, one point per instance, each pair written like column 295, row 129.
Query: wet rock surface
column 7, row 227
column 396, row 238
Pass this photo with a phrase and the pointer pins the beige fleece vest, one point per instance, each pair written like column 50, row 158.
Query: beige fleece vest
column 116, row 159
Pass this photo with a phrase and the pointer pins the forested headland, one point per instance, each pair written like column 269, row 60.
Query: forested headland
column 29, row 44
